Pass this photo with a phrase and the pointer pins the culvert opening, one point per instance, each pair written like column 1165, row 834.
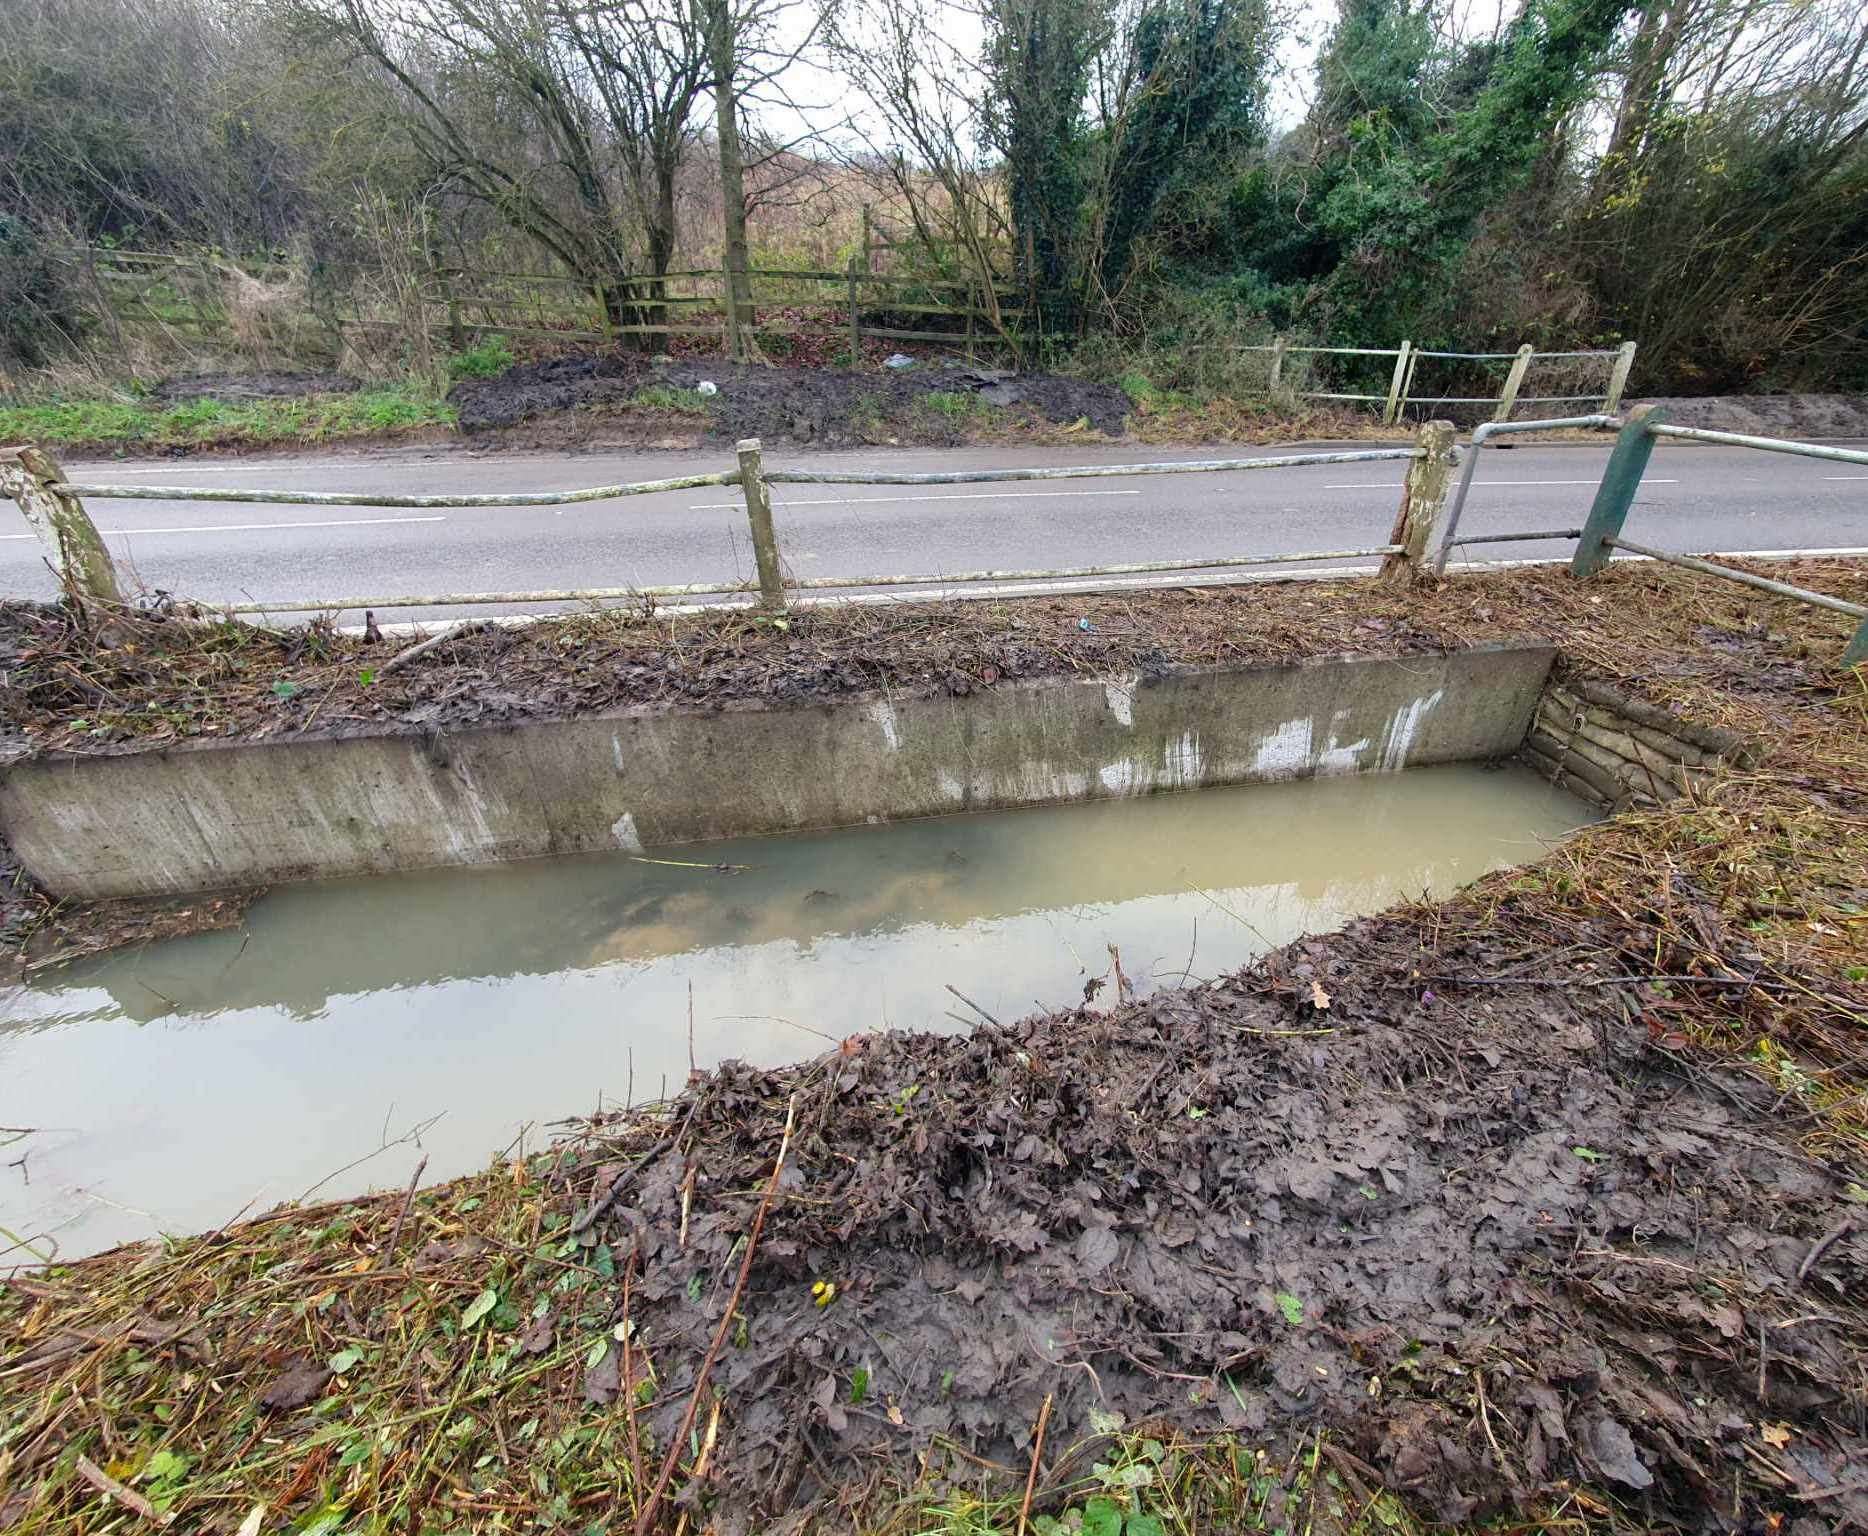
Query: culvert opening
column 192, row 1077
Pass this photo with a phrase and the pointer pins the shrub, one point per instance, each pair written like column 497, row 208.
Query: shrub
column 37, row 314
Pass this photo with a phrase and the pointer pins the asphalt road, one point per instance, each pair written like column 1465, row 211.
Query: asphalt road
column 1694, row 499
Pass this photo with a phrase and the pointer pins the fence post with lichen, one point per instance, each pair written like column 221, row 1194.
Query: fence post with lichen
column 759, row 515
column 74, row 548
column 1514, row 382
column 1423, row 502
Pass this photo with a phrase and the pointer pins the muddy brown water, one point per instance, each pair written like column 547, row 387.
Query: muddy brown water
column 172, row 1087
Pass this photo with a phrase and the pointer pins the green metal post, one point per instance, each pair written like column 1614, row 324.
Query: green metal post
column 1857, row 653
column 1616, row 494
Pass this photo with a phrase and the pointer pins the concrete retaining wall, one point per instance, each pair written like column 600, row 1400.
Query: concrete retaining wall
column 209, row 816
column 1621, row 752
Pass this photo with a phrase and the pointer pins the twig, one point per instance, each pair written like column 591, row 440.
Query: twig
column 629, row 1385
column 1603, row 981
column 1031, row 1477
column 645, row 1522
column 602, row 1203
column 434, row 642
column 129, row 1498
column 395, row 1233
column 974, row 1006
column 700, row 1462
column 1485, row 1420
column 1822, row 1245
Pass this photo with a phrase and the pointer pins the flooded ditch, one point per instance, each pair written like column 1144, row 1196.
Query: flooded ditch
column 354, row 1027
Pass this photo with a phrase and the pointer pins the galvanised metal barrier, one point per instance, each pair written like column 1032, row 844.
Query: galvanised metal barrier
column 1430, row 504
column 1634, row 446
column 1448, row 542
column 54, row 507
column 1407, row 358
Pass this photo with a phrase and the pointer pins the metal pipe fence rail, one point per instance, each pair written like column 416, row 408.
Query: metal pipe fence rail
column 389, row 499
column 1634, row 446
column 1480, row 437
column 1400, row 394
column 54, row 506
column 1429, row 515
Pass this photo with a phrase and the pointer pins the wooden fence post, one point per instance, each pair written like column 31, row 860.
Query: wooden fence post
column 1615, row 495
column 856, row 329
column 72, row 543
column 1391, row 412
column 1618, row 379
column 1423, row 502
column 869, row 265
column 1278, row 344
column 759, row 515
column 1514, row 381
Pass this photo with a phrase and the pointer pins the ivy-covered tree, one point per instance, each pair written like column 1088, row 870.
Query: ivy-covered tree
column 1038, row 57
column 1190, row 105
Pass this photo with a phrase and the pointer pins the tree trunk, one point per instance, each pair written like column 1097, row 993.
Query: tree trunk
column 722, row 44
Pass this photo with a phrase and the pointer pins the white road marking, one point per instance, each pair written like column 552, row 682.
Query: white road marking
column 245, row 467
column 1480, row 485
column 339, row 522
column 1845, row 477
column 857, row 501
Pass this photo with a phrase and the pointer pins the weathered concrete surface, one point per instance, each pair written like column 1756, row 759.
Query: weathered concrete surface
column 211, row 816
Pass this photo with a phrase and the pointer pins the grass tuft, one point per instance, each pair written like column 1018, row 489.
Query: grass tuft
column 112, row 421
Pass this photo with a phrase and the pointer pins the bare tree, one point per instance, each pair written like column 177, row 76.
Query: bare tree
column 923, row 137
column 569, row 118
column 750, row 50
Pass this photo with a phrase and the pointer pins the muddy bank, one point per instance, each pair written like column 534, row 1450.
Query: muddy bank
column 930, row 401
column 1343, row 1190
column 158, row 680
column 1482, row 1245
column 163, row 680
column 1792, row 416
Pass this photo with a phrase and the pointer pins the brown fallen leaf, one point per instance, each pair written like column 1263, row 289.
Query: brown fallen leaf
column 300, row 1383
column 1777, row 1436
column 1318, row 996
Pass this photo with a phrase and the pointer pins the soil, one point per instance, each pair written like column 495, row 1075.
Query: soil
column 1793, row 416
column 158, row 680
column 799, row 404
column 253, row 386
column 586, row 400
column 163, row 680
column 1493, row 1237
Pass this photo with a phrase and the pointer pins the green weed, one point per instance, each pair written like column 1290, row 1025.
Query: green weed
column 485, row 358
column 665, row 397
column 80, row 423
column 957, row 410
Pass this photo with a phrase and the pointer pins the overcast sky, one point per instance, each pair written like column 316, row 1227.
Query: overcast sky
column 825, row 95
